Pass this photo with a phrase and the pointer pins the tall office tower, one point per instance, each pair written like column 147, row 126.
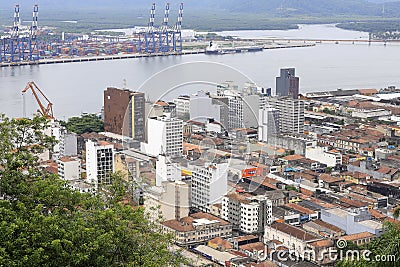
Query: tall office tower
column 165, row 136
column 268, row 123
column 124, row 112
column 291, row 113
column 99, row 162
column 287, row 84
column 209, row 185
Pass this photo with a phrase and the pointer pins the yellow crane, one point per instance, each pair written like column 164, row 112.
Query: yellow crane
column 47, row 111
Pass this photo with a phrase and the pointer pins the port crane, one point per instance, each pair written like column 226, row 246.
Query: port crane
column 47, row 111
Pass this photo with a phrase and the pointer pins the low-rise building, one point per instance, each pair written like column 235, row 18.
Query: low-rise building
column 293, row 238
column 197, row 228
column 360, row 238
column 323, row 229
column 352, row 221
column 69, row 168
column 379, row 113
column 330, row 158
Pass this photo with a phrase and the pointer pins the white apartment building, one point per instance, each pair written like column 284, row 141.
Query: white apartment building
column 243, row 104
column 291, row 113
column 68, row 144
column 99, row 162
column 323, row 155
column 268, row 123
column 204, row 106
column 249, row 214
column 182, row 105
column 209, row 185
column 165, row 136
column 69, row 168
column 167, row 170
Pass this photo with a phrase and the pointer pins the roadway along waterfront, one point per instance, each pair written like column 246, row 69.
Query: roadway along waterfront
column 126, row 56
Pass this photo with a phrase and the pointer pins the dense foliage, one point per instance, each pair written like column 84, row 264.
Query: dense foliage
column 44, row 223
column 85, row 124
column 378, row 28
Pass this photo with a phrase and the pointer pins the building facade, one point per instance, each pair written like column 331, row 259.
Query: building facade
column 69, row 168
column 167, row 170
column 209, row 185
column 197, row 228
column 124, row 112
column 170, row 201
column 287, row 84
column 99, row 162
column 352, row 222
column 268, row 124
column 243, row 104
column 204, row 106
column 249, row 214
column 330, row 158
column 291, row 113
column 165, row 136
column 182, row 106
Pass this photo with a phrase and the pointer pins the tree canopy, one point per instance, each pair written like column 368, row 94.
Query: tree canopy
column 87, row 123
column 45, row 223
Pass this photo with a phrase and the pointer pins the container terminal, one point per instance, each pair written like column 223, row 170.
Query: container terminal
column 34, row 45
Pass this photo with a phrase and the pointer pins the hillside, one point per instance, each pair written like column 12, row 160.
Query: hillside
column 204, row 15
column 272, row 7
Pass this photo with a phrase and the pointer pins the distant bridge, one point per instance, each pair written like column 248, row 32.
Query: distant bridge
column 335, row 41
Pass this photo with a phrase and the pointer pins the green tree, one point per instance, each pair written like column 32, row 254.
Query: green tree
column 44, row 223
column 87, row 123
column 396, row 212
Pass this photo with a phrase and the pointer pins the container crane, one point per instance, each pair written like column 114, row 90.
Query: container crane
column 47, row 111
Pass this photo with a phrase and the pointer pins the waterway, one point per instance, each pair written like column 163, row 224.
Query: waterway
column 75, row 88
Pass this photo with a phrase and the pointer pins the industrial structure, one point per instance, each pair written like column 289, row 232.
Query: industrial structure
column 163, row 39
column 21, row 43
column 47, row 111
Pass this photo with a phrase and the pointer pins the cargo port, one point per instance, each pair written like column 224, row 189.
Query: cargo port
column 33, row 45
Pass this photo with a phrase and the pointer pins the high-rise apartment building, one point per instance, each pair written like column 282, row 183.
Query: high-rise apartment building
column 268, row 123
column 291, row 113
column 209, row 185
column 249, row 214
column 287, row 84
column 99, row 162
column 124, row 113
column 165, row 136
column 243, row 104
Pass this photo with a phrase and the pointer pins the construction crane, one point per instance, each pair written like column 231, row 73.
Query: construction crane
column 47, row 111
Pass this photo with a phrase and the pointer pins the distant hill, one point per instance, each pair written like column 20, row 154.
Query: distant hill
column 272, row 7
column 203, row 14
